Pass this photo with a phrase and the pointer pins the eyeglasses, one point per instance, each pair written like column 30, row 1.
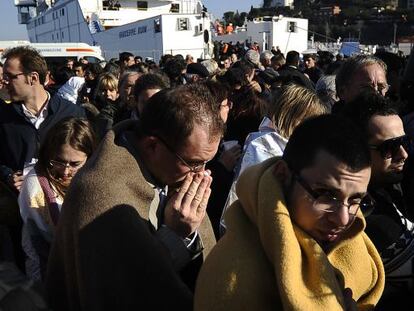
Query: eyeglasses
column 72, row 166
column 381, row 88
column 389, row 148
column 8, row 76
column 327, row 203
column 194, row 168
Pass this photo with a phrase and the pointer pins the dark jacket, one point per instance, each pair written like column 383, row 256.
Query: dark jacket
column 290, row 74
column 393, row 236
column 20, row 140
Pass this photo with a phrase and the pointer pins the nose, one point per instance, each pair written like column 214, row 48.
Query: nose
column 402, row 154
column 341, row 215
column 67, row 170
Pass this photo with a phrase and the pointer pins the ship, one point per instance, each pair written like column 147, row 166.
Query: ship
column 149, row 28
column 285, row 33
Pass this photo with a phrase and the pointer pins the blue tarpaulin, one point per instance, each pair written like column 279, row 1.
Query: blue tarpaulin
column 350, row 48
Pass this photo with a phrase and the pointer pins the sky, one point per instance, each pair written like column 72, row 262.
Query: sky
column 218, row 7
column 11, row 30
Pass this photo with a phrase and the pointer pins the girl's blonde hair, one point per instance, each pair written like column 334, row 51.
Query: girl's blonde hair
column 296, row 104
column 108, row 81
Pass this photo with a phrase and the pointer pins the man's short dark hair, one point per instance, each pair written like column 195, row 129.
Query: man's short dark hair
column 151, row 81
column 333, row 134
column 365, row 106
column 30, row 60
column 218, row 90
column 292, row 58
column 79, row 64
column 113, row 68
column 94, row 68
column 124, row 56
column 173, row 113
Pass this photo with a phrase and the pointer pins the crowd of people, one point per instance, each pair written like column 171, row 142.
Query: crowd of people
column 249, row 181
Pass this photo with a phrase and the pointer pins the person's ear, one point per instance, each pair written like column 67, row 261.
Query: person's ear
column 150, row 145
column 33, row 78
column 282, row 173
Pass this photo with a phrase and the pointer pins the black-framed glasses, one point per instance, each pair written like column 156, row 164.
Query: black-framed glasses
column 9, row 76
column 326, row 202
column 194, row 168
column 72, row 166
column 389, row 148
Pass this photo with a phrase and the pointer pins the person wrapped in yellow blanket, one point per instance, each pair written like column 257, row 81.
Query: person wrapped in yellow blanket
column 295, row 237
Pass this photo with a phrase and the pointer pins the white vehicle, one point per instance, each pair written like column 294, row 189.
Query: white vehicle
column 147, row 28
column 58, row 53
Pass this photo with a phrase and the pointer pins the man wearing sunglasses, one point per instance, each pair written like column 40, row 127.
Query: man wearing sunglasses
column 388, row 225
column 294, row 238
column 135, row 228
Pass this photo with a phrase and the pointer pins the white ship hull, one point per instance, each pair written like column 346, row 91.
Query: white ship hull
column 158, row 31
column 287, row 33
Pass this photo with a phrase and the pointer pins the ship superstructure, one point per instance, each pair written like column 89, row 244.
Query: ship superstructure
column 147, row 28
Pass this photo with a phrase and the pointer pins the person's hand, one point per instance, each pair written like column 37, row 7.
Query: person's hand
column 15, row 180
column 186, row 208
column 350, row 303
column 230, row 157
column 255, row 86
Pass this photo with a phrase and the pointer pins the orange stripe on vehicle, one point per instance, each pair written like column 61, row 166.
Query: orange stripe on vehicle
column 79, row 50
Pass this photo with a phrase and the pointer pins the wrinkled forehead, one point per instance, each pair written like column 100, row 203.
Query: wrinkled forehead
column 373, row 73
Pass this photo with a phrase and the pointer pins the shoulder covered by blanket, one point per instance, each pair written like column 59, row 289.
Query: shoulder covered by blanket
column 265, row 262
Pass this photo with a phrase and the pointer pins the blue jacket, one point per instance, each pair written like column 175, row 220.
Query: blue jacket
column 20, row 140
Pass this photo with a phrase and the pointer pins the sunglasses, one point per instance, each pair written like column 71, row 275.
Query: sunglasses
column 389, row 148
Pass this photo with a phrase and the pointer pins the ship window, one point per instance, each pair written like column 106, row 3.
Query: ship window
column 183, row 24
column 291, row 27
column 142, row 5
column 157, row 25
column 175, row 8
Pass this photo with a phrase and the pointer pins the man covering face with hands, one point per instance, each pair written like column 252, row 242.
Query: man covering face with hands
column 134, row 221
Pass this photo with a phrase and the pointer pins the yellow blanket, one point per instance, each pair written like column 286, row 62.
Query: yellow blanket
column 265, row 262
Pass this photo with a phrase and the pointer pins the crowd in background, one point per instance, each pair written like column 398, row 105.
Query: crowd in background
column 56, row 122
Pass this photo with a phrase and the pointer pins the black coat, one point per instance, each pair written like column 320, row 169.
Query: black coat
column 290, row 74
column 20, row 140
